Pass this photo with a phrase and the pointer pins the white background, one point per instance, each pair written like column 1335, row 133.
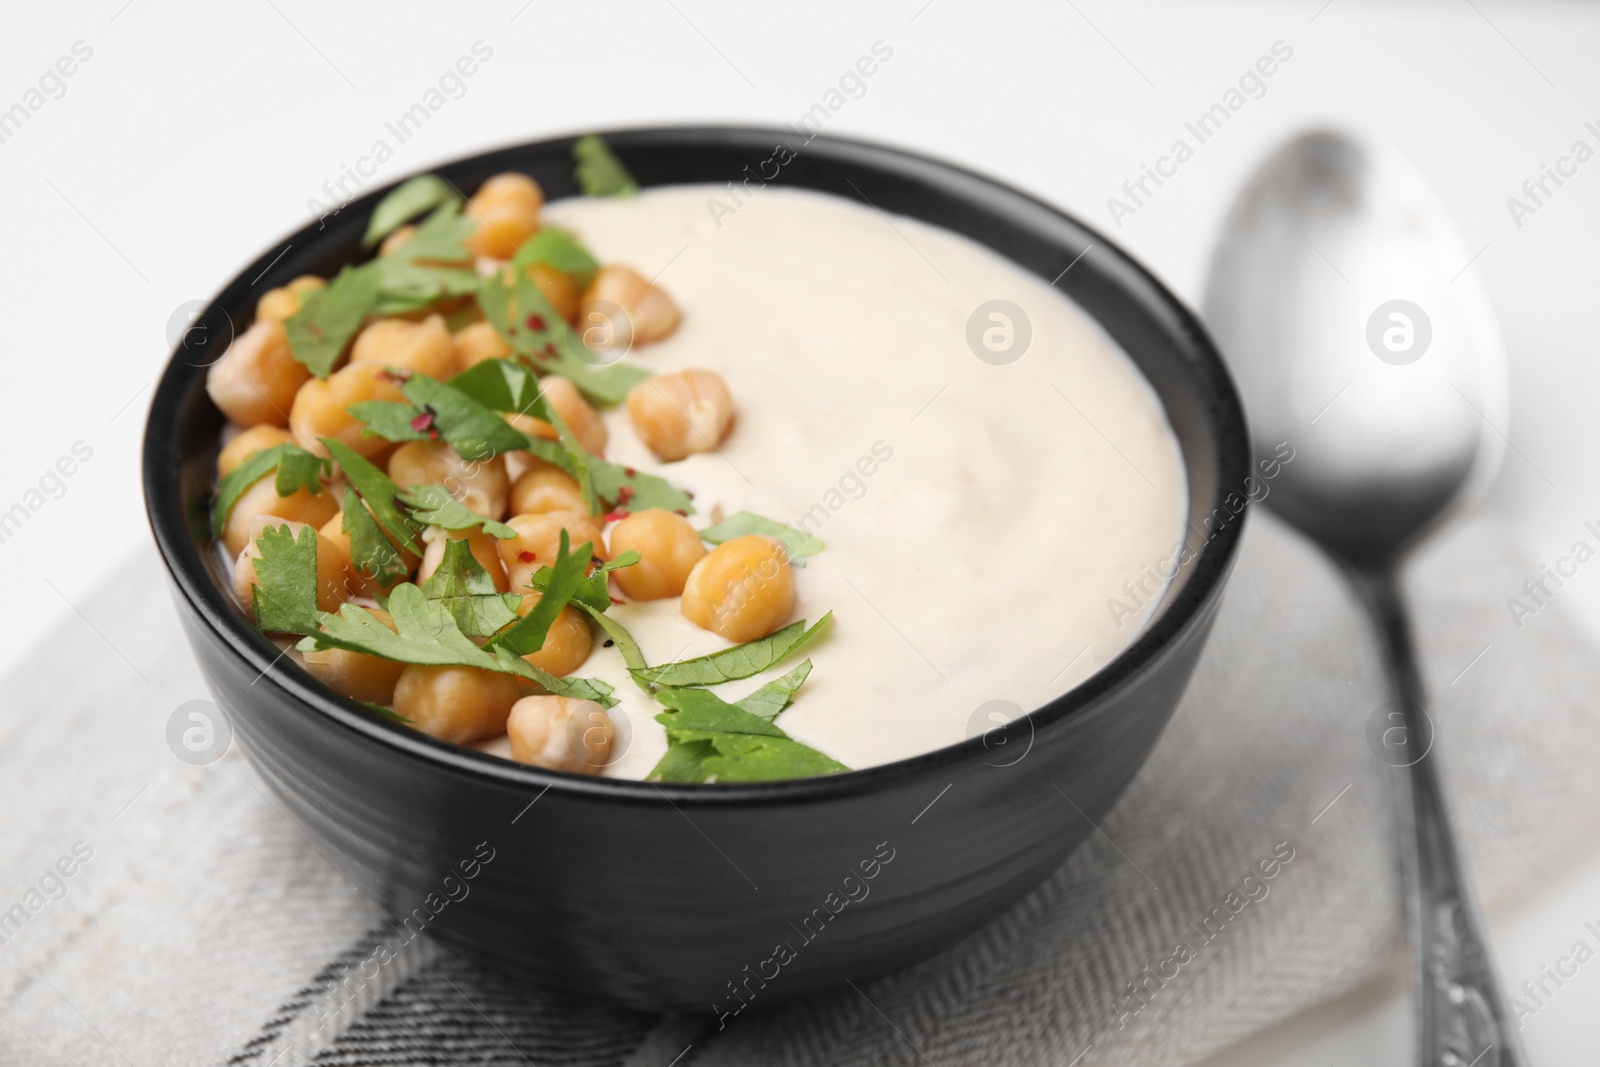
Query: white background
column 196, row 133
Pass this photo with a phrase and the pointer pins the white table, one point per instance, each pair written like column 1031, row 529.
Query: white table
column 193, row 134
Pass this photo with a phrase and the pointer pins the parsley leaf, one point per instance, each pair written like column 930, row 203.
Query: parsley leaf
column 389, row 419
column 464, row 588
column 747, row 758
column 528, row 634
column 284, row 598
column 598, row 172
column 474, row 431
column 708, row 738
column 328, row 318
column 776, row 695
column 502, row 385
column 800, row 545
column 405, row 203
column 632, row 654
column 595, row 590
column 649, row 491
column 740, row 661
column 426, row 633
column 371, row 552
column 442, row 238
column 523, row 317
column 376, row 490
column 683, row 763
column 296, row 469
column 703, row 710
column 559, row 249
column 432, row 505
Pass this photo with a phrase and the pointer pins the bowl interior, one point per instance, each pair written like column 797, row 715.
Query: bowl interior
column 1160, row 335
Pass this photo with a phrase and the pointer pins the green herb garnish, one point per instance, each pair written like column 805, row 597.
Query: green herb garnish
column 800, row 545
column 463, row 588
column 772, row 698
column 329, row 318
column 523, row 317
column 558, row 249
column 297, row 469
column 710, row 738
column 410, row 199
column 598, row 172
column 740, row 661
column 502, row 385
column 377, row 491
column 371, row 552
column 593, row 591
column 428, row 635
column 432, row 505
column 527, row 635
column 632, row 654
column 284, row 598
column 474, row 431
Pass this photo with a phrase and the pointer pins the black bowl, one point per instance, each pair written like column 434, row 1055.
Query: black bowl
column 704, row 897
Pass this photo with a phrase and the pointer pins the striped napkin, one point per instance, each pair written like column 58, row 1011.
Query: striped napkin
column 158, row 912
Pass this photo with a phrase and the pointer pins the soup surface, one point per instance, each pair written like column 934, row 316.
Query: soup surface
column 995, row 527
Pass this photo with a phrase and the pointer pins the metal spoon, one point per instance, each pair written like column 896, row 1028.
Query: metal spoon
column 1339, row 294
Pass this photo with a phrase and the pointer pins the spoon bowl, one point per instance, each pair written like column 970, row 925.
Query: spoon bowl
column 1339, row 295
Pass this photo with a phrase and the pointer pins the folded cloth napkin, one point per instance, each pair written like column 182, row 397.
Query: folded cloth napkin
column 157, row 912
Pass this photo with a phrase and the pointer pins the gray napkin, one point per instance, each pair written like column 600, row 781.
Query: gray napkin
column 1248, row 873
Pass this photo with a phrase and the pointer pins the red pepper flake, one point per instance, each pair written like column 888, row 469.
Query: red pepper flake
column 614, row 600
column 527, row 557
column 399, row 376
column 689, row 493
column 629, row 471
column 624, row 494
column 424, row 421
column 535, row 322
column 511, row 329
column 614, row 516
column 683, row 512
column 550, row 349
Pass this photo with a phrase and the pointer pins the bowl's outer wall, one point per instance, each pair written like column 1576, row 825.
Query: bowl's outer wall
column 672, row 898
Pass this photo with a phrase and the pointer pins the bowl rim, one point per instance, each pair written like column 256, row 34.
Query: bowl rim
column 1208, row 571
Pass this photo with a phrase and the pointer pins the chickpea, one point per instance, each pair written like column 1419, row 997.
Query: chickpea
column 584, row 422
column 356, row 674
column 679, row 414
column 506, row 209
column 330, row 566
column 566, row 645
column 320, row 408
column 284, row 302
column 355, row 582
column 538, row 542
column 546, row 488
column 262, row 499
column 459, row 704
column 397, row 240
column 255, row 380
column 557, row 287
column 652, row 316
column 742, row 591
column 480, row 484
column 670, row 548
column 255, row 439
column 424, row 347
column 480, row 544
column 561, row 734
column 478, row 342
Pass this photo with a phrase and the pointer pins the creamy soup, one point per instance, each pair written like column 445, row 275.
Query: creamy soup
column 991, row 528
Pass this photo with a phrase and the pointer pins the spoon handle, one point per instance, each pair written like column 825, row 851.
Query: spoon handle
column 1461, row 1015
